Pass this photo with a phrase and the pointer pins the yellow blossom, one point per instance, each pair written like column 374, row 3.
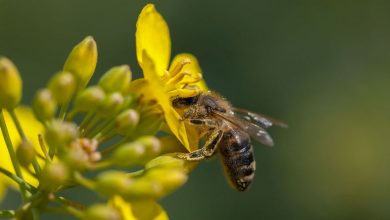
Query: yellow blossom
column 182, row 79
column 145, row 209
column 32, row 127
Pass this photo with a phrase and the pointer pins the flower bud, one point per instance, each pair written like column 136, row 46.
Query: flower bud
column 149, row 124
column 44, row 105
column 63, row 87
column 60, row 134
column 168, row 179
column 116, row 79
column 166, row 161
column 10, row 84
column 128, row 154
column 111, row 104
column 143, row 188
column 126, row 121
column 101, row 212
column 81, row 154
column 136, row 153
column 82, row 60
column 25, row 153
column 53, row 175
column 112, row 183
column 89, row 99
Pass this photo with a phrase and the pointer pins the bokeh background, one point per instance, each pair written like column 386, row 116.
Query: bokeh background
column 321, row 66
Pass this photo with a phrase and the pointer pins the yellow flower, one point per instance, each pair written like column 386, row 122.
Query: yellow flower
column 182, row 79
column 32, row 128
column 145, row 209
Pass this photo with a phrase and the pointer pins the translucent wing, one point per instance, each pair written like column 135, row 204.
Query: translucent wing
column 257, row 132
column 258, row 119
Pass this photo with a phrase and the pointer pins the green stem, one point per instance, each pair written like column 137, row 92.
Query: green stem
column 12, row 154
column 7, row 213
column 43, row 147
column 17, row 179
column 86, row 119
column 91, row 124
column 35, row 213
column 71, row 115
column 101, row 165
column 113, row 147
column 63, row 110
column 83, row 181
column 109, row 122
column 69, row 208
column 107, row 128
column 35, row 163
column 67, row 202
column 106, row 137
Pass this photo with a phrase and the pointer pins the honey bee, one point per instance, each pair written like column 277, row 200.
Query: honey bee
column 228, row 130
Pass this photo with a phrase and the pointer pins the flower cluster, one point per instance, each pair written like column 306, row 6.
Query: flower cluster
column 100, row 137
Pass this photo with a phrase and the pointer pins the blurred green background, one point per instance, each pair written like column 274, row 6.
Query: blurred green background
column 321, row 66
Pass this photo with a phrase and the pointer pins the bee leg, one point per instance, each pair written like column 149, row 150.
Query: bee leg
column 207, row 122
column 206, row 151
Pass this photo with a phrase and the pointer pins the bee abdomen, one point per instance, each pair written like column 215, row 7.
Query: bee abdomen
column 237, row 156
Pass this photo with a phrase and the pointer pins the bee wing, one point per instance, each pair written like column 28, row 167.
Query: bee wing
column 255, row 131
column 258, row 119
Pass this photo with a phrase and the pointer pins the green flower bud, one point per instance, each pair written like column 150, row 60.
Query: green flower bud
column 89, row 99
column 44, row 105
column 53, row 175
column 113, row 183
column 25, row 153
column 126, row 121
column 63, row 87
column 169, row 179
column 156, row 183
column 136, row 153
column 142, row 189
column 101, row 212
column 166, row 161
column 128, row 154
column 149, row 124
column 82, row 60
column 10, row 84
column 111, row 104
column 116, row 79
column 60, row 134
column 151, row 143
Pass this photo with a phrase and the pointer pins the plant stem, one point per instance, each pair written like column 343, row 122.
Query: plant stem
column 109, row 122
column 69, row 208
column 113, row 147
column 83, row 181
column 17, row 179
column 63, row 110
column 86, row 119
column 65, row 201
column 35, row 163
column 43, row 147
column 12, row 154
column 7, row 213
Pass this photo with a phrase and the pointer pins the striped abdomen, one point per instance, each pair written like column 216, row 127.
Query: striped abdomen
column 237, row 156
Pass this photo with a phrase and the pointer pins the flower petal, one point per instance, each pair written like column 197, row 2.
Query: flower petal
column 155, row 90
column 32, row 128
column 152, row 35
column 138, row 210
column 192, row 67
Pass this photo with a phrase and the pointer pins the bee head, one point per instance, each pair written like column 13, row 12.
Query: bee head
column 211, row 104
